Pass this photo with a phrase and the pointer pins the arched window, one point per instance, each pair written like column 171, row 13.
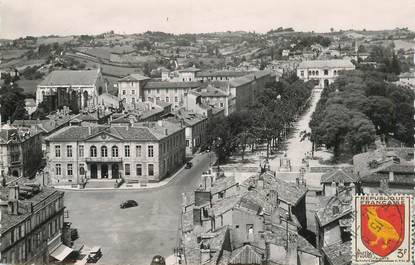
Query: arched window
column 316, row 72
column 114, row 151
column 93, row 151
column 104, row 151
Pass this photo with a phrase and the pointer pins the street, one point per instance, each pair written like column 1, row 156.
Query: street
column 296, row 148
column 134, row 235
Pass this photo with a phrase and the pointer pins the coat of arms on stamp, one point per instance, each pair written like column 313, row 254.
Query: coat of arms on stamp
column 382, row 229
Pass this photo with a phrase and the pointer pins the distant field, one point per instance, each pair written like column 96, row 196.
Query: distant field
column 111, row 70
column 60, row 40
column 11, row 54
column 406, row 45
column 99, row 52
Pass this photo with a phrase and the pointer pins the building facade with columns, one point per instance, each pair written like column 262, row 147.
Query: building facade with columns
column 142, row 152
column 323, row 71
column 76, row 88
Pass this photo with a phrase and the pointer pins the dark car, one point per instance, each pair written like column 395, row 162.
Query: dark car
column 128, row 204
column 158, row 260
column 188, row 165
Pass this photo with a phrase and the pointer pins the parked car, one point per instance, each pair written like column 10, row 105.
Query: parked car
column 128, row 204
column 188, row 165
column 94, row 254
column 158, row 260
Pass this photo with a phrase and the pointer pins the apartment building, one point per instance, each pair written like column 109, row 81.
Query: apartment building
column 31, row 223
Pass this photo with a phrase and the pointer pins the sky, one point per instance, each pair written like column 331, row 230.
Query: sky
column 19, row 18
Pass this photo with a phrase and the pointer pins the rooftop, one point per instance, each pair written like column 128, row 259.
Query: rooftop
column 345, row 175
column 166, row 84
column 71, row 77
column 224, row 73
column 334, row 208
column 28, row 194
column 335, row 63
column 339, row 253
column 240, row 81
column 189, row 118
column 210, row 91
column 146, row 131
column 380, row 159
column 287, row 191
column 189, row 69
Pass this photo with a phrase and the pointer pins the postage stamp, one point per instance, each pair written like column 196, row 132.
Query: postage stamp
column 382, row 229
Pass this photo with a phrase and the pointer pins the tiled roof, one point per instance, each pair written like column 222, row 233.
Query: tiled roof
column 335, row 63
column 190, row 69
column 189, row 118
column 240, row 81
column 334, row 208
column 9, row 220
column 279, row 237
column 210, row 91
column 407, row 178
column 381, row 158
column 225, row 73
column 139, row 131
column 134, row 77
column 247, row 255
column 339, row 175
column 287, row 191
column 225, row 205
column 70, row 77
column 399, row 168
column 166, row 84
column 223, row 184
column 339, row 253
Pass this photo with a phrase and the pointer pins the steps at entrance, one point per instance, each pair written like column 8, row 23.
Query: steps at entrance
column 97, row 184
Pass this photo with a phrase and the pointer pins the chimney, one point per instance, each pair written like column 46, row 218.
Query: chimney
column 335, row 209
column 89, row 130
column 384, row 185
column 13, row 204
column 13, row 193
column 391, row 176
column 166, row 131
column 205, row 255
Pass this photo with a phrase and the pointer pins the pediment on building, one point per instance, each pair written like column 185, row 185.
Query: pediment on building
column 104, row 136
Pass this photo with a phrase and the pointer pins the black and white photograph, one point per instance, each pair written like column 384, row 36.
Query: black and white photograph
column 190, row 132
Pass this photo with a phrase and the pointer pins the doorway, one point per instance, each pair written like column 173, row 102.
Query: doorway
column 104, row 171
column 115, row 171
column 94, row 171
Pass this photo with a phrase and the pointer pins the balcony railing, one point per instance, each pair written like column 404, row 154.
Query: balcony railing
column 104, row 159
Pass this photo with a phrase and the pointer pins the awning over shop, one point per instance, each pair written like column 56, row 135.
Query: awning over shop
column 61, row 252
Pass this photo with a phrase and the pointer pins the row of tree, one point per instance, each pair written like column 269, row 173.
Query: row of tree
column 266, row 121
column 358, row 106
